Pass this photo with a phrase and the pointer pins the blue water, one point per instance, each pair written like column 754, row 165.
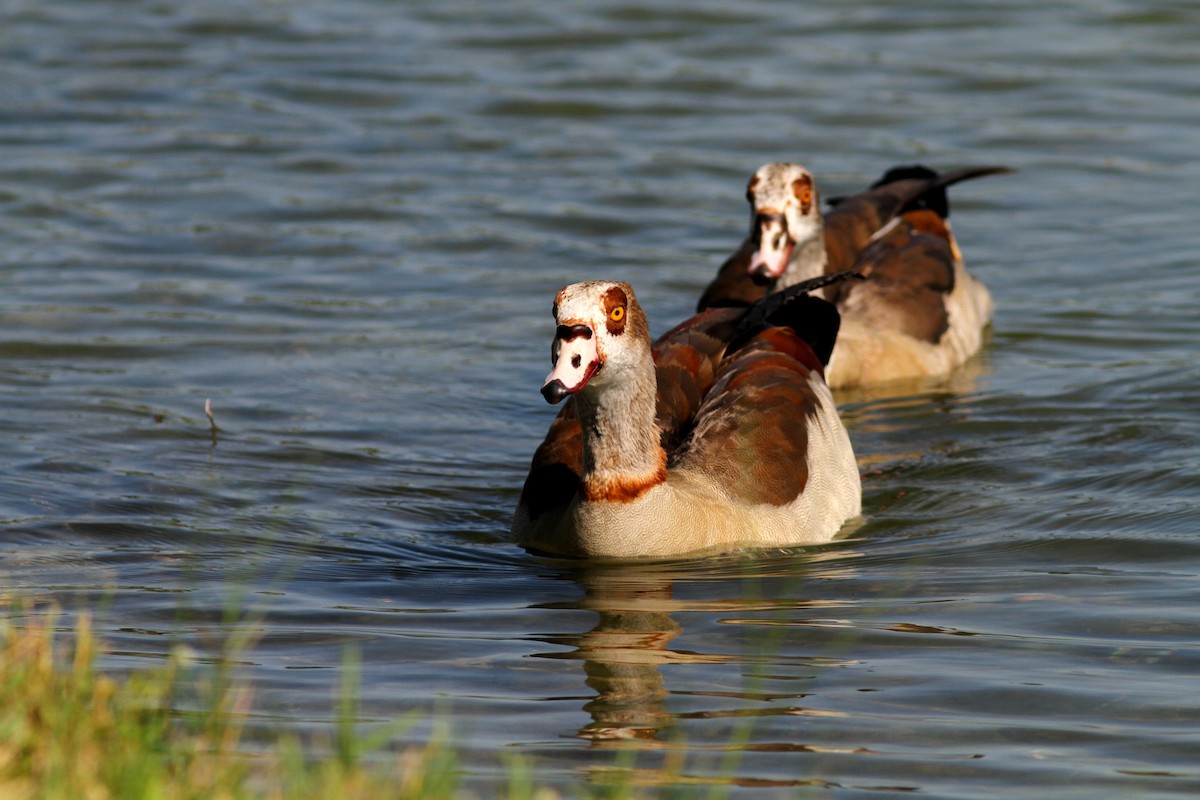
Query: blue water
column 343, row 223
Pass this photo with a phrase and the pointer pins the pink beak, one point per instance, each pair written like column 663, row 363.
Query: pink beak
column 576, row 360
column 774, row 248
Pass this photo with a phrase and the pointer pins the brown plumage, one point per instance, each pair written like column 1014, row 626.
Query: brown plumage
column 761, row 406
column 908, row 271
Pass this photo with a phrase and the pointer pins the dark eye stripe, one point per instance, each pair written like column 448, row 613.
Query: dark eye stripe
column 762, row 219
column 568, row 332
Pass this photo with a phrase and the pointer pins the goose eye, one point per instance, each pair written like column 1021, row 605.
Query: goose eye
column 802, row 190
column 617, row 314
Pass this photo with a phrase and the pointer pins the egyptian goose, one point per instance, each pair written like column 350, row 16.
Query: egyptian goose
column 918, row 313
column 722, row 434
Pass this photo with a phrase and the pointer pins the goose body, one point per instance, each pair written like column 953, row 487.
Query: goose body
column 721, row 435
column 919, row 312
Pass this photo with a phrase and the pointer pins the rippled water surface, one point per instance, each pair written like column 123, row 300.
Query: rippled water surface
column 343, row 224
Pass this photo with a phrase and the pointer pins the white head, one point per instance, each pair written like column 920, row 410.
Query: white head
column 601, row 333
column 784, row 212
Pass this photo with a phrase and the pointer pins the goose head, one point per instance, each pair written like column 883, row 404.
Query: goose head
column 784, row 213
column 601, row 334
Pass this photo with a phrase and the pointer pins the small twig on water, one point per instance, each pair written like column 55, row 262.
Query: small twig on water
column 212, row 423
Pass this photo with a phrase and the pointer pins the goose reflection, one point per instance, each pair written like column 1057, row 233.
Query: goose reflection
column 778, row 638
column 623, row 653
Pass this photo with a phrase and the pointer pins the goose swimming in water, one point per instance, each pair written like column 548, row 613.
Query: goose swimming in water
column 722, row 434
column 918, row 312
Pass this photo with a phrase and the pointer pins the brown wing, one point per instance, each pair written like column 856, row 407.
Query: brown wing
column 909, row 272
column 686, row 359
column 850, row 224
column 751, row 432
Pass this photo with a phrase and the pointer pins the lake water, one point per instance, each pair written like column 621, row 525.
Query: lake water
column 343, row 224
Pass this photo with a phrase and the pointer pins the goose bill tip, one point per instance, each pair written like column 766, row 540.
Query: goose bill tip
column 555, row 391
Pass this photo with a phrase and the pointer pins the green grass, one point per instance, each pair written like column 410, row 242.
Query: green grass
column 69, row 732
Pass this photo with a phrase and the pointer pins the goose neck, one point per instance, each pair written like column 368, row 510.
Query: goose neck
column 622, row 455
column 808, row 261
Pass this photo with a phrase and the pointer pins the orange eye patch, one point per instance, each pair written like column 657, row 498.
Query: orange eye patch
column 803, row 191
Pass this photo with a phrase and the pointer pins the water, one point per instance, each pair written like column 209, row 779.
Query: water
column 343, row 224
